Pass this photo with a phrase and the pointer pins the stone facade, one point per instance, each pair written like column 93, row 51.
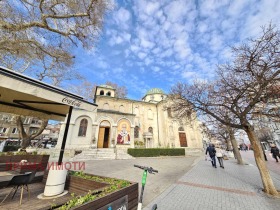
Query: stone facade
column 129, row 123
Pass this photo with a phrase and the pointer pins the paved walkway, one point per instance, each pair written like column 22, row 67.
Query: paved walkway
column 204, row 187
column 271, row 162
column 170, row 170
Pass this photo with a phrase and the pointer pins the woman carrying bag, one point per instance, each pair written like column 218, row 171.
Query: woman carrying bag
column 219, row 154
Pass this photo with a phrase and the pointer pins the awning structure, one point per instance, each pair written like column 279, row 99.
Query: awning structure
column 24, row 95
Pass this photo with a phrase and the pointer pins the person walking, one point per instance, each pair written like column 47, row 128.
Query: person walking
column 275, row 152
column 220, row 154
column 212, row 153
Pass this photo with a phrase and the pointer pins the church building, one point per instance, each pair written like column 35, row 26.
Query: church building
column 125, row 123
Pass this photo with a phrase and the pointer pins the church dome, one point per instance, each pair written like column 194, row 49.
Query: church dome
column 155, row 91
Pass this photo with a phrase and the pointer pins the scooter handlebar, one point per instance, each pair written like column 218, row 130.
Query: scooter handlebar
column 149, row 169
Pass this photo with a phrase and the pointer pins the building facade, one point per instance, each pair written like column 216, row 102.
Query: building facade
column 9, row 130
column 127, row 123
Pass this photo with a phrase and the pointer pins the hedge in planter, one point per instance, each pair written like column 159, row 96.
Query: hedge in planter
column 155, row 152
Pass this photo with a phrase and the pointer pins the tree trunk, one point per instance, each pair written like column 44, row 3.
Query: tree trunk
column 234, row 146
column 268, row 185
column 22, row 135
column 228, row 144
column 25, row 138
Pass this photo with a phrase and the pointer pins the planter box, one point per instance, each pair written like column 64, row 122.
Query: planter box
column 5, row 159
column 78, row 185
column 27, row 167
column 132, row 197
column 81, row 186
column 7, row 162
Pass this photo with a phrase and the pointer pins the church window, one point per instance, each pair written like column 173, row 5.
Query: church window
column 136, row 132
column 83, row 127
column 169, row 113
column 121, row 109
column 181, row 129
column 106, row 106
column 150, row 129
column 152, row 97
column 109, row 93
column 102, row 92
column 150, row 114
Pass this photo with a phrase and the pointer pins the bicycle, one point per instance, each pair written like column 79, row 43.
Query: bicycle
column 144, row 178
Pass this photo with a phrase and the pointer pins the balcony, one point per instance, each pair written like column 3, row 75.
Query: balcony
column 35, row 125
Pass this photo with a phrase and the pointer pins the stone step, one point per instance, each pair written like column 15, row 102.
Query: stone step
column 101, row 154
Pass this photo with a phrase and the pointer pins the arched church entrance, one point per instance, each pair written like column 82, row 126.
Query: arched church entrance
column 104, row 134
column 182, row 137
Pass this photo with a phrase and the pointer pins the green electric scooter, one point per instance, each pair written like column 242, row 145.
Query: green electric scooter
column 144, row 177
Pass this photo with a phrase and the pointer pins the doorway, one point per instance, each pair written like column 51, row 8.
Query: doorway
column 183, row 140
column 103, row 137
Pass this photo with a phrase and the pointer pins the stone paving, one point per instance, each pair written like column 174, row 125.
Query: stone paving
column 204, row 187
column 271, row 162
column 170, row 170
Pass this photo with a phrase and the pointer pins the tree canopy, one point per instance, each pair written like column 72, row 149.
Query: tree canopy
column 37, row 36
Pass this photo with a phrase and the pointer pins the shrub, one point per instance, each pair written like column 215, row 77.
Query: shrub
column 155, row 152
column 139, row 144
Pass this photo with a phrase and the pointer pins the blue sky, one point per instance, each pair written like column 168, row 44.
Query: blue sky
column 155, row 44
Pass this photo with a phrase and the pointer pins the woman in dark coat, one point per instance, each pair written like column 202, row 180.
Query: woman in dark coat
column 275, row 152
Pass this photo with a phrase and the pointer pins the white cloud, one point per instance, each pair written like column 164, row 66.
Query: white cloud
column 188, row 74
column 156, row 69
column 260, row 15
column 151, row 8
column 122, row 18
column 176, row 11
column 182, row 38
column 118, row 70
column 148, row 61
column 182, row 48
column 142, row 55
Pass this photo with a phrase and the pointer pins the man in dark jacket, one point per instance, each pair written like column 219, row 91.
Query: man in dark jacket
column 275, row 152
column 212, row 153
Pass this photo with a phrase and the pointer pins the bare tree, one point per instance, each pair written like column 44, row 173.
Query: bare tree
column 121, row 91
column 265, row 135
column 26, row 138
column 37, row 36
column 86, row 89
column 237, row 90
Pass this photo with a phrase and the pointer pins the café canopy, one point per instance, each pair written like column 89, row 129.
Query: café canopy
column 23, row 95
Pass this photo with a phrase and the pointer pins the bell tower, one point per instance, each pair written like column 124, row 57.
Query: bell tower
column 105, row 90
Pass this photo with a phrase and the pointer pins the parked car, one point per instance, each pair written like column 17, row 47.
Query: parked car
column 9, row 145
